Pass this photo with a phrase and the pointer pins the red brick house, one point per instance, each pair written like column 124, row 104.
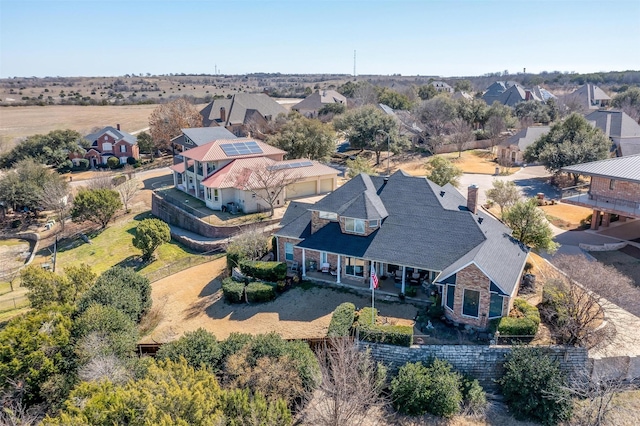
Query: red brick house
column 614, row 189
column 108, row 142
column 411, row 229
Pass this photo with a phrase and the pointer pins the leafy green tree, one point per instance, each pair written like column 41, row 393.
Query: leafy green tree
column 572, row 141
column 46, row 287
column 463, row 86
column 629, row 102
column 427, row 92
column 51, row 149
column 121, row 288
column 36, row 355
column 151, row 234
column 359, row 165
column 304, row 137
column 170, row 393
column 370, row 128
column 334, row 108
column 504, row 193
column 530, row 112
column 23, row 185
column 530, row 226
column 437, row 114
column 503, row 111
column 394, row 99
column 442, row 171
column 472, row 111
column 96, row 205
column 119, row 332
column 145, row 143
column 199, row 348
column 534, row 387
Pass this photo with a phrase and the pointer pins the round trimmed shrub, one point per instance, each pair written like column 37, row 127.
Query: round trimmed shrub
column 342, row 320
column 232, row 290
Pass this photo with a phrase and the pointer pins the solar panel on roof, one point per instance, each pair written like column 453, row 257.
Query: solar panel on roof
column 291, row 165
column 241, row 148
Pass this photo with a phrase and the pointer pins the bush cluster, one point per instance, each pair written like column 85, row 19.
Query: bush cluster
column 434, row 388
column 525, row 324
column 257, row 291
column 266, row 271
column 342, row 320
column 534, row 387
column 400, row 335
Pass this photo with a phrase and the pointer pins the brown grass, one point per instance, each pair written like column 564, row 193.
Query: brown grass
column 565, row 216
column 20, row 122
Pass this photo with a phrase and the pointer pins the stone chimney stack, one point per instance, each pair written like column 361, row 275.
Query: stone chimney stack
column 118, row 127
column 223, row 114
column 472, row 198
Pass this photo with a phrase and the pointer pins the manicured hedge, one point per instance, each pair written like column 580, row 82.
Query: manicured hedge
column 266, row 271
column 342, row 320
column 232, row 290
column 257, row 291
column 399, row 335
column 527, row 325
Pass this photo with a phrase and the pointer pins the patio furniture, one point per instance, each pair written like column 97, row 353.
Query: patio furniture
column 294, row 266
column 398, row 275
column 325, row 268
column 415, row 278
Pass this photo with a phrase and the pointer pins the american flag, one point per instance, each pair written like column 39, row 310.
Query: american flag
column 374, row 277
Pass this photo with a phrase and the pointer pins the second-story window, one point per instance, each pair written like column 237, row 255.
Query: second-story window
column 612, row 184
column 123, row 148
column 354, row 225
column 328, row 215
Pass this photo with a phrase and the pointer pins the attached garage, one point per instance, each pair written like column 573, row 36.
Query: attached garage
column 301, row 189
column 326, row 185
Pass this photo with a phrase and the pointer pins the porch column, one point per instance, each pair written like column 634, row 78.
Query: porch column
column 339, row 270
column 175, row 179
column 404, row 273
column 606, row 219
column 595, row 219
column 277, row 249
column 304, row 266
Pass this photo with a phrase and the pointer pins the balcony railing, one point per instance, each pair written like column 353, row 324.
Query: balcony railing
column 579, row 195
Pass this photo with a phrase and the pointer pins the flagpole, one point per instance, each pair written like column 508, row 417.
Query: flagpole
column 373, row 310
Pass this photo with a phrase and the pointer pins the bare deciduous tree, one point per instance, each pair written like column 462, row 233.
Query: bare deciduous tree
column 461, row 135
column 576, row 301
column 351, row 386
column 103, row 181
column 503, row 193
column 365, row 94
column 13, row 410
column 167, row 120
column 56, row 196
column 494, row 127
column 128, row 190
column 268, row 183
column 104, row 367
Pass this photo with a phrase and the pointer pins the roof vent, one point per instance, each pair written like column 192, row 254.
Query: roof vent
column 442, row 193
column 480, row 219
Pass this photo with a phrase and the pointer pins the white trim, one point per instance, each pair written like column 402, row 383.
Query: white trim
column 463, row 297
column 473, row 262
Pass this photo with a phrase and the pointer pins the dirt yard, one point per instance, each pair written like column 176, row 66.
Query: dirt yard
column 566, row 216
column 192, row 299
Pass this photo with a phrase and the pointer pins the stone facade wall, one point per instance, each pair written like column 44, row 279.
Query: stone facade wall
column 316, row 222
column 622, row 190
column 486, row 363
column 201, row 246
column 178, row 217
column 471, row 278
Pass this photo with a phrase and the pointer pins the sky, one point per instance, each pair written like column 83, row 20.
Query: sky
column 420, row 37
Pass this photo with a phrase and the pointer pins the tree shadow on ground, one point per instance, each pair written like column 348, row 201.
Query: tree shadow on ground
column 157, row 182
column 532, row 186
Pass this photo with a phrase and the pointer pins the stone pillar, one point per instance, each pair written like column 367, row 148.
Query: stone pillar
column 338, row 270
column 472, row 198
column 606, row 219
column 595, row 220
column 304, row 265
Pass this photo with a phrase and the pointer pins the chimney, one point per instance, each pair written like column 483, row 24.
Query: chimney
column 118, row 127
column 223, row 114
column 472, row 198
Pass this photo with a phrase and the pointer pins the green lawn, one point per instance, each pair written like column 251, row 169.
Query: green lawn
column 114, row 246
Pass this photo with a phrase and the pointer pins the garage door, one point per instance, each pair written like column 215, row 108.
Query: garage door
column 326, row 185
column 301, row 189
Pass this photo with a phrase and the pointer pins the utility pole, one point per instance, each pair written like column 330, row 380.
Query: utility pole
column 354, row 64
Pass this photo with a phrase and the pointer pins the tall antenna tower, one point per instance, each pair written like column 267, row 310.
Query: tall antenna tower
column 354, row 63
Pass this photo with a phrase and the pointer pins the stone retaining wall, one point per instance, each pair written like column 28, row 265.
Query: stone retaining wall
column 486, row 363
column 201, row 246
column 178, row 217
column 603, row 247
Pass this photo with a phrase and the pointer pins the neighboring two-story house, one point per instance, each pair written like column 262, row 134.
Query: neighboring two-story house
column 623, row 130
column 441, row 86
column 588, row 97
column 242, row 114
column 235, row 170
column 511, row 150
column 108, row 142
column 410, row 228
column 614, row 189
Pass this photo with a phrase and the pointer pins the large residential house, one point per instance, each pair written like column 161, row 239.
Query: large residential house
column 511, row 93
column 511, row 150
column 108, row 142
column 623, row 130
column 197, row 136
column 313, row 103
column 232, row 173
column 242, row 114
column 408, row 125
column 589, row 97
column 614, row 189
column 441, row 86
column 411, row 229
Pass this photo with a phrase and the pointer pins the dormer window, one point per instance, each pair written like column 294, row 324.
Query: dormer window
column 354, row 225
column 328, row 215
column 374, row 223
